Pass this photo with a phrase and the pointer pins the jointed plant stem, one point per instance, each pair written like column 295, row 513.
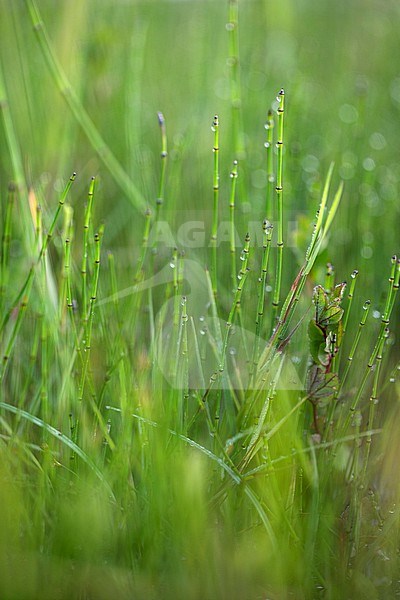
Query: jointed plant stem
column 279, row 200
column 214, row 230
column 234, row 174
column 267, row 230
column 269, row 126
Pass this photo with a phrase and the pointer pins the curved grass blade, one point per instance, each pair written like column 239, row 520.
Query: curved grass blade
column 62, row 438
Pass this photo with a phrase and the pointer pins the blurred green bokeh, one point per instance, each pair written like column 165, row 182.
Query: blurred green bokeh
column 127, row 60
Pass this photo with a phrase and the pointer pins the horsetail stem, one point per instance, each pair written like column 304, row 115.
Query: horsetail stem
column 185, row 358
column 63, row 293
column 394, row 280
column 163, row 156
column 269, row 145
column 90, row 310
column 67, row 261
column 350, row 297
column 61, row 203
column 86, row 225
column 267, row 230
column 214, row 230
column 232, row 235
column 241, row 277
column 145, row 245
column 373, row 401
column 176, row 266
column 366, row 308
column 279, row 202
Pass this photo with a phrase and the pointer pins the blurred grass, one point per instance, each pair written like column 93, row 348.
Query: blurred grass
column 129, row 60
column 177, row 529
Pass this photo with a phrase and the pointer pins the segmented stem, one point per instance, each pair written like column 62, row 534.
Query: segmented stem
column 279, row 202
column 267, row 230
column 88, row 217
column 269, row 126
column 214, row 230
column 232, row 236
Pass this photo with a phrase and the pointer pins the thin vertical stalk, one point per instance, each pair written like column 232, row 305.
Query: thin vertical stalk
column 66, row 264
column 269, row 145
column 373, row 401
column 164, row 154
column 214, row 230
column 145, row 245
column 267, row 230
column 86, row 225
column 232, row 235
column 394, row 281
column 242, row 276
column 90, row 311
column 185, row 360
column 279, row 202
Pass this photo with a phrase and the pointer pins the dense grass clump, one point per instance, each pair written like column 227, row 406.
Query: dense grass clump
column 199, row 332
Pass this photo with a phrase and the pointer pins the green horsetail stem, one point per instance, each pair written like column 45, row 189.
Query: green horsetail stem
column 65, row 266
column 232, row 233
column 90, row 311
column 85, row 251
column 279, row 203
column 185, row 359
column 366, row 308
column 394, row 280
column 267, row 237
column 241, row 277
column 163, row 156
column 269, row 145
column 145, row 245
column 374, row 399
column 214, row 230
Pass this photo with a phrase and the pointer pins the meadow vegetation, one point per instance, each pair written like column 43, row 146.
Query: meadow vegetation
column 199, row 324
